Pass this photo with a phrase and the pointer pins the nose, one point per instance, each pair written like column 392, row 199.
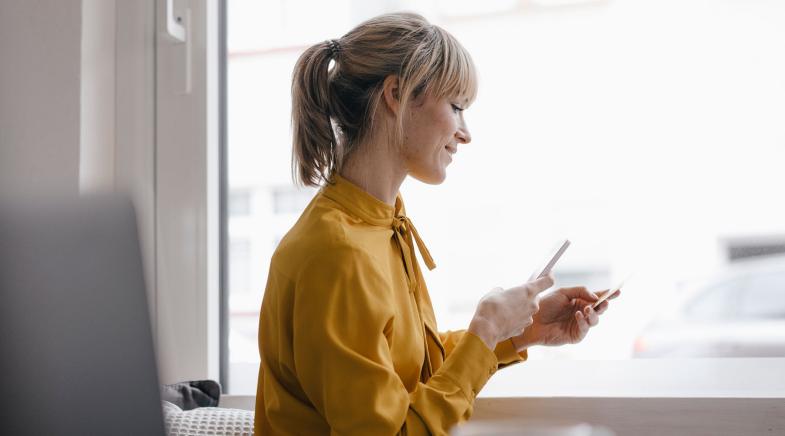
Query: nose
column 462, row 135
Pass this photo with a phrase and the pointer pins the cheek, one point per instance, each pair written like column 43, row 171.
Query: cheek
column 448, row 123
column 428, row 131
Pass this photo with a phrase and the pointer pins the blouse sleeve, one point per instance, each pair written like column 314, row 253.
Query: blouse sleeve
column 343, row 360
column 504, row 351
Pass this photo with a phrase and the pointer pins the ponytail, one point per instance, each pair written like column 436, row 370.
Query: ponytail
column 314, row 151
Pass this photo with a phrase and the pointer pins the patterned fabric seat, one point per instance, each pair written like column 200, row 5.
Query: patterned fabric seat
column 207, row 421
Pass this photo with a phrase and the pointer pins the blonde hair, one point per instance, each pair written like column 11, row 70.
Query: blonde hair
column 333, row 106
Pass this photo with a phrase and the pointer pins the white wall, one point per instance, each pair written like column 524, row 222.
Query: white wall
column 77, row 104
column 40, row 53
column 81, row 90
column 134, row 133
column 97, row 123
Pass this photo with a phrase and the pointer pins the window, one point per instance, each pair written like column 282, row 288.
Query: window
column 646, row 132
column 764, row 298
column 240, row 203
column 288, row 200
column 240, row 270
column 718, row 302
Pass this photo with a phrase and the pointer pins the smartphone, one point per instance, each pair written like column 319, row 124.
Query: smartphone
column 609, row 293
column 541, row 272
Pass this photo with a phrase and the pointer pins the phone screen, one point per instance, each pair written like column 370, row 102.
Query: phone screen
column 611, row 292
column 549, row 264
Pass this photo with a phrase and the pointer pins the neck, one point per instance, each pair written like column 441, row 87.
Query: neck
column 377, row 170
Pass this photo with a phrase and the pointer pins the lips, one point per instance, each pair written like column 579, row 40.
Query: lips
column 450, row 149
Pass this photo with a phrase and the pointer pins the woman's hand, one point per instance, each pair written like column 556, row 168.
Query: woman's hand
column 502, row 314
column 565, row 317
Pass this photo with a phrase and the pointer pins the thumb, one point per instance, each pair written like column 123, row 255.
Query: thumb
column 538, row 286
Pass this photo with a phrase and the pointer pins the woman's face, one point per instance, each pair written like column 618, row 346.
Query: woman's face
column 431, row 133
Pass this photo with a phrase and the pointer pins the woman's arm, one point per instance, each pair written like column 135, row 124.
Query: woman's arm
column 344, row 365
column 506, row 351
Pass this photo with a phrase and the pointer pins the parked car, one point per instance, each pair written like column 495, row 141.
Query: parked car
column 739, row 312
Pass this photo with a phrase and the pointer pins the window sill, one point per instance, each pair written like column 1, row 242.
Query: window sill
column 642, row 378
column 739, row 378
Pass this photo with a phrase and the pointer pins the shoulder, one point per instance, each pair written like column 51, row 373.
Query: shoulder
column 328, row 241
column 339, row 273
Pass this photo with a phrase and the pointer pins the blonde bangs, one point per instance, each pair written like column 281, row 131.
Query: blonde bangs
column 453, row 73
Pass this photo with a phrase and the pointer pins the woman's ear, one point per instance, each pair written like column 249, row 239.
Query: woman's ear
column 391, row 94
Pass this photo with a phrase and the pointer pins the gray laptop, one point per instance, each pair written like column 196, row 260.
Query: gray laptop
column 76, row 351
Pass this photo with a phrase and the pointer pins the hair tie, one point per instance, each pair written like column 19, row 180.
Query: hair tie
column 334, row 47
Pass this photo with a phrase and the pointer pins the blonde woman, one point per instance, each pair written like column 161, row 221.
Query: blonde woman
column 347, row 336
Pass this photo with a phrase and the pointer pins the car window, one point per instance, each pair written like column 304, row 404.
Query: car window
column 764, row 296
column 716, row 302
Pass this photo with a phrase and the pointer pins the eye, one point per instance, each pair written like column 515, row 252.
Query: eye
column 456, row 108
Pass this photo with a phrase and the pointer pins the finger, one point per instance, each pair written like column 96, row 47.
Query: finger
column 601, row 308
column 583, row 325
column 535, row 287
column 579, row 292
column 591, row 316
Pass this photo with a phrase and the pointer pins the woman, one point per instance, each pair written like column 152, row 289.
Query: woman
column 347, row 334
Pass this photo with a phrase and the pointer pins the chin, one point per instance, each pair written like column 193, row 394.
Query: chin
column 431, row 177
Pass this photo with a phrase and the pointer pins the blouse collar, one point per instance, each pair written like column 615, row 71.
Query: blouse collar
column 361, row 203
column 376, row 212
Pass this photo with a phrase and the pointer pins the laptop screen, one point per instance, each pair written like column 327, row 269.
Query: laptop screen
column 76, row 349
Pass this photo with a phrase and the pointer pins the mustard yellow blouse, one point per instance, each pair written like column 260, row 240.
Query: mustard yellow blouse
column 347, row 335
